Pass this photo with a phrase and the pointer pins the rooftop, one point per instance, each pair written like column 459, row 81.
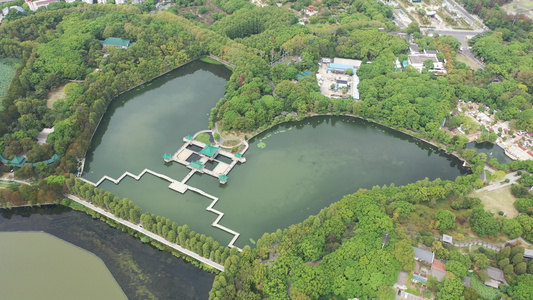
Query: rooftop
column 197, row 164
column 112, row 41
column 209, row 150
column 447, row 239
column 495, row 273
column 528, row 253
column 424, row 255
column 421, row 58
column 353, row 63
column 339, row 66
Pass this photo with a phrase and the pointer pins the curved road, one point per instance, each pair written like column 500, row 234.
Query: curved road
column 147, row 233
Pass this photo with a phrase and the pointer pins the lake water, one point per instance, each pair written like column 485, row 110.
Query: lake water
column 492, row 151
column 305, row 166
column 142, row 271
column 41, row 260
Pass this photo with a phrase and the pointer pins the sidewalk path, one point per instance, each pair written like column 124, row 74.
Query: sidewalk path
column 148, row 233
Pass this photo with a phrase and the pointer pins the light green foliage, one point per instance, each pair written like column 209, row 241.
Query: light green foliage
column 456, row 268
column 450, row 288
column 512, row 227
column 405, row 254
column 522, row 288
column 446, row 219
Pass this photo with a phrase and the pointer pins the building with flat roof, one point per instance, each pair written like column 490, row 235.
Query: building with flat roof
column 424, row 255
column 35, row 4
column 354, row 63
column 417, row 61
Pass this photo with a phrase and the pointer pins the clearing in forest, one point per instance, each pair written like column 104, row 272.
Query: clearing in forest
column 498, row 200
column 58, row 93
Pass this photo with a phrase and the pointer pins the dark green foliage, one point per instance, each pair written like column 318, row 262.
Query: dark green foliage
column 483, row 223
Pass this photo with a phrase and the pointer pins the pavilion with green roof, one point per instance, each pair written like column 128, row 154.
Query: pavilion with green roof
column 238, row 155
column 196, row 164
column 116, row 42
column 18, row 161
column 167, row 156
column 189, row 137
column 223, row 178
column 210, row 151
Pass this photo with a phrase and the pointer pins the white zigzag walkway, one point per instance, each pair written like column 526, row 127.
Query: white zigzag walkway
column 172, row 181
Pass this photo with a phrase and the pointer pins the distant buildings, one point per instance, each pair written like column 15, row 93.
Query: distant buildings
column 416, row 58
column 35, row 4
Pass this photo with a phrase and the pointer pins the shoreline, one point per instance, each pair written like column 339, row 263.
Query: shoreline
column 455, row 154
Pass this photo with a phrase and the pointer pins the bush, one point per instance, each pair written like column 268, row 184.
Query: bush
column 202, row 10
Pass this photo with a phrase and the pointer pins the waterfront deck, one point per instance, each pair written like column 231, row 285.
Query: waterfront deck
column 220, row 171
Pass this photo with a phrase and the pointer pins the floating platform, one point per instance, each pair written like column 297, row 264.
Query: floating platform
column 178, row 187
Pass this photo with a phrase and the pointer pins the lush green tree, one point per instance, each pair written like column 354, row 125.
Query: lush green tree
column 446, row 219
column 483, row 223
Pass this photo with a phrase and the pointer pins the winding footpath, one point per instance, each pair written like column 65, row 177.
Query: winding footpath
column 147, row 233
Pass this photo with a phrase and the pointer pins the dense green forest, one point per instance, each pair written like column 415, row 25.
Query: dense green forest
column 342, row 252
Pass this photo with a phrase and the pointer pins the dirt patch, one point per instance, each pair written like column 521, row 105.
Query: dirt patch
column 500, row 199
column 53, row 96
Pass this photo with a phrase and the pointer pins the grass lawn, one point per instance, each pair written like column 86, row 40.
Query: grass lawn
column 500, row 199
column 204, row 138
column 467, row 61
column 486, row 292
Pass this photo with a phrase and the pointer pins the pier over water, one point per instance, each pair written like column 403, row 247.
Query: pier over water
column 196, row 160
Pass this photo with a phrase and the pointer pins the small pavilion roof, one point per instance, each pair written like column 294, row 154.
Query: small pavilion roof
column 197, row 164
column 238, row 155
column 209, row 150
column 167, row 156
column 189, row 137
column 223, row 177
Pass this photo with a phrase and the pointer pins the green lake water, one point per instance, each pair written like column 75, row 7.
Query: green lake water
column 142, row 271
column 492, row 150
column 305, row 166
column 32, row 262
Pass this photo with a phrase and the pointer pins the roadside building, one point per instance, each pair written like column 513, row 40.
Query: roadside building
column 417, row 61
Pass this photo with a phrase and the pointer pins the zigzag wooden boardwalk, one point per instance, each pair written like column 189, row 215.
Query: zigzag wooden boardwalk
column 172, row 181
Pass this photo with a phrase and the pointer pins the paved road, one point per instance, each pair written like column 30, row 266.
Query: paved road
column 14, row 181
column 513, row 178
column 462, row 37
column 148, row 233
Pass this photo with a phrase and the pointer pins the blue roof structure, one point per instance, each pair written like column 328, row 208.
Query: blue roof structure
column 339, row 67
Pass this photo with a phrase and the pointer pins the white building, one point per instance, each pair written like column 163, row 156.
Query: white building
column 417, row 61
column 35, row 4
